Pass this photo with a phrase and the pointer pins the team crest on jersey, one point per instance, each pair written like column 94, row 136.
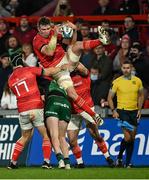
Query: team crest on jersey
column 134, row 82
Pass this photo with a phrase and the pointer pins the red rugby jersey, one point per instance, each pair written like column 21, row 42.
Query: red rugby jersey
column 47, row 61
column 23, row 84
column 82, row 87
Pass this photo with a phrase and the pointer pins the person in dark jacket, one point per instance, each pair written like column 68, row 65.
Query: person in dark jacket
column 5, row 71
column 130, row 29
column 104, row 8
column 129, row 7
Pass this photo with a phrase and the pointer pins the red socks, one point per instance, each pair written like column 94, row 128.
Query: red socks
column 77, row 152
column 17, row 151
column 81, row 103
column 102, row 146
column 46, row 148
column 90, row 44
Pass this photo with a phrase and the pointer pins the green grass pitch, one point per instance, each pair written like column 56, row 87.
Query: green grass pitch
column 87, row 173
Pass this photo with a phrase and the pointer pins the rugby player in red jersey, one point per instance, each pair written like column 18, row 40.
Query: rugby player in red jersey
column 51, row 54
column 82, row 87
column 23, row 84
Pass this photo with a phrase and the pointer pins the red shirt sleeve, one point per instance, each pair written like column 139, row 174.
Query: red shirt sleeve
column 38, row 42
column 36, row 70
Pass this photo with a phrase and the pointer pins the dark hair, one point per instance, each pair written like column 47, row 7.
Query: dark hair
column 44, row 21
column 127, row 62
column 95, row 66
column 130, row 17
column 7, row 41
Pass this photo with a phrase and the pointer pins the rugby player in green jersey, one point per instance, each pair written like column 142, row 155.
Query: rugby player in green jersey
column 57, row 117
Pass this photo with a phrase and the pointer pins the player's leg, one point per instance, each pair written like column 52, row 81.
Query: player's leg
column 93, row 129
column 52, row 127
column 18, row 148
column 130, row 147
column 38, row 122
column 46, row 147
column 64, row 80
column 75, row 50
column 80, row 102
column 52, row 112
column 128, row 123
column 127, row 139
column 63, row 143
column 72, row 132
column 119, row 161
column 26, row 129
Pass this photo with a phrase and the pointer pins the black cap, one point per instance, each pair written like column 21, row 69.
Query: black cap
column 137, row 45
column 5, row 54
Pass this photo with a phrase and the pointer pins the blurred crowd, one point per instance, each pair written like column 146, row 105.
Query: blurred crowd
column 104, row 62
column 68, row 7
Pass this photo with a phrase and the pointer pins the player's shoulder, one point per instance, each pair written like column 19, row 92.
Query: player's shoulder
column 117, row 80
column 37, row 37
column 137, row 79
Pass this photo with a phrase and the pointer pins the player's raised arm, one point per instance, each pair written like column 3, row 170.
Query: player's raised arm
column 54, row 70
column 49, row 49
column 48, row 32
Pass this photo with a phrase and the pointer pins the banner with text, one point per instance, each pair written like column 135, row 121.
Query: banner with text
column 9, row 133
column 91, row 154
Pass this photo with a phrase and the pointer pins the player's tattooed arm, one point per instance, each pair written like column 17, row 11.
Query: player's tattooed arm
column 49, row 49
column 82, row 69
column 54, row 70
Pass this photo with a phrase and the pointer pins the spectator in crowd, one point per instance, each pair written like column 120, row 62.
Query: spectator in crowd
column 141, row 65
column 85, row 32
column 5, row 71
column 24, row 32
column 130, row 28
column 3, row 11
column 28, row 7
column 29, row 56
column 8, row 100
column 104, row 8
column 144, row 7
column 14, row 48
column 63, row 8
column 12, row 6
column 4, row 34
column 99, row 88
column 101, row 66
column 144, row 33
column 104, row 63
column 146, row 52
column 129, row 7
column 122, row 55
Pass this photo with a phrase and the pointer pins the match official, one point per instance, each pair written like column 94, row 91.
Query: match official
column 130, row 97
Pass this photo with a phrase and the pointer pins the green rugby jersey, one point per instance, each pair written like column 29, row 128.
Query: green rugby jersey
column 55, row 87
